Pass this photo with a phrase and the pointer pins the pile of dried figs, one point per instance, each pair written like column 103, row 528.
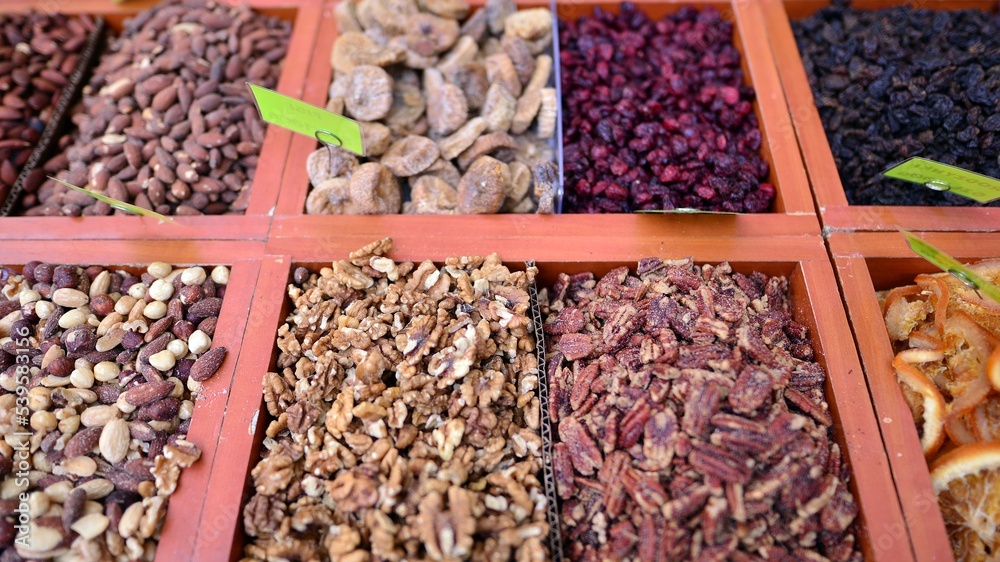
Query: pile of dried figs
column 455, row 110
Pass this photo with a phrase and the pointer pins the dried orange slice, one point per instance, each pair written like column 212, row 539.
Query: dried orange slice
column 993, row 368
column 967, row 483
column 981, row 308
column 938, row 288
column 902, row 315
column 985, row 419
column 968, row 349
column 926, row 404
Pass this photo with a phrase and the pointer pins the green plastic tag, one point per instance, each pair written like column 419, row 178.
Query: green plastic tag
column 949, row 264
column 944, row 177
column 116, row 204
column 309, row 120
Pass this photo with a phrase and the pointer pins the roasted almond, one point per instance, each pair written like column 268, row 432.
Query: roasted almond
column 208, row 364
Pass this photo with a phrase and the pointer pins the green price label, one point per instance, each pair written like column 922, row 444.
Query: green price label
column 943, row 177
column 309, row 120
column 949, row 264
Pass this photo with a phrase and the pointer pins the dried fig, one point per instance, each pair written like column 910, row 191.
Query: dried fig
column 444, row 170
column 329, row 162
column 497, row 12
column 453, row 9
column 376, row 138
column 331, row 197
column 354, row 49
column 500, row 145
column 520, row 55
column 471, row 78
column 529, row 25
column 465, row 50
column 374, row 190
column 369, row 94
column 547, row 113
column 462, row 139
column 410, row 155
column 389, row 15
column 546, row 177
column 500, row 69
column 475, row 26
column 432, row 195
column 347, row 21
column 520, row 184
column 484, row 187
column 527, row 109
column 447, row 109
column 540, row 77
column 499, row 108
column 408, row 107
column 429, row 35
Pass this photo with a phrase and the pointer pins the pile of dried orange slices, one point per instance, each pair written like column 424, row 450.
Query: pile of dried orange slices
column 947, row 363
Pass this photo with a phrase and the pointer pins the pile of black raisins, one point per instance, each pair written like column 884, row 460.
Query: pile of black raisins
column 896, row 83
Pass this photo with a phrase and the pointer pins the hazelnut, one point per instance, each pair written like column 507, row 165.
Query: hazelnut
column 159, row 269
column 193, row 276
column 220, row 275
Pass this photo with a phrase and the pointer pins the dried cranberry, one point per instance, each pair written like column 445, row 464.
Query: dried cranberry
column 656, row 115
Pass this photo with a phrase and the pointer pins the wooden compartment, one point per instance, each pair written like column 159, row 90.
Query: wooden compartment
column 835, row 212
column 792, row 213
column 184, row 512
column 802, row 260
column 255, row 223
column 865, row 263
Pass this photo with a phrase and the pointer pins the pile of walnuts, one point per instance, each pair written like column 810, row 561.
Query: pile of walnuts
column 406, row 423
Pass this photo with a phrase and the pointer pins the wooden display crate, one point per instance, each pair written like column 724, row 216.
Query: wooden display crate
column 793, row 212
column 183, row 514
column 255, row 223
column 835, row 212
column 816, row 304
column 869, row 262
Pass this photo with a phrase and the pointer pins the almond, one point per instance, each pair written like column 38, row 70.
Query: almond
column 114, row 440
column 83, row 442
column 208, row 364
column 150, row 392
column 70, row 298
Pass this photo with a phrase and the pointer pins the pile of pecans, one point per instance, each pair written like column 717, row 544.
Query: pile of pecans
column 167, row 122
column 691, row 420
column 37, row 54
column 406, row 423
column 99, row 370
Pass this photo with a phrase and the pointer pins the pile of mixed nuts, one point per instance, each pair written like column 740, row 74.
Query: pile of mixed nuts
column 446, row 103
column 99, row 370
column 405, row 420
